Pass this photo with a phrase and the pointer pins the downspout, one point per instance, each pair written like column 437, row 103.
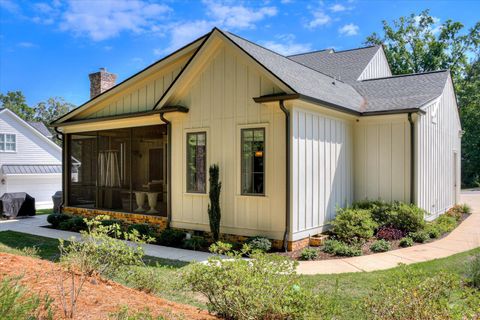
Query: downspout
column 412, row 157
column 169, row 171
column 61, row 137
column 287, row 173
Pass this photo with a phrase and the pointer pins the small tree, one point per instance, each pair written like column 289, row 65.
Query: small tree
column 214, row 212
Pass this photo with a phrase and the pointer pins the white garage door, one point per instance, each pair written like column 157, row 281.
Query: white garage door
column 41, row 187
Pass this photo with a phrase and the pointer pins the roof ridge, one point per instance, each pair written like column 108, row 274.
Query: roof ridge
column 361, row 48
column 406, row 75
column 334, row 51
column 286, row 57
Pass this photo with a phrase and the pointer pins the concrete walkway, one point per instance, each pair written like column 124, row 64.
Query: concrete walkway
column 465, row 237
column 34, row 225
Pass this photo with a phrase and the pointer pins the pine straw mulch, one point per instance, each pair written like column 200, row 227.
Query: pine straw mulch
column 99, row 297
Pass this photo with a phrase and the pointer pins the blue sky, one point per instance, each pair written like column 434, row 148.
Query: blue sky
column 48, row 48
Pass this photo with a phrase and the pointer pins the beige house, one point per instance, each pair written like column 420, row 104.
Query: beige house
column 295, row 137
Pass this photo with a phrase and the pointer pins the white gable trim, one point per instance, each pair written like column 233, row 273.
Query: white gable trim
column 380, row 51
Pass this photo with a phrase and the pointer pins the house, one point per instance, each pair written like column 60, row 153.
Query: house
column 29, row 160
column 295, row 138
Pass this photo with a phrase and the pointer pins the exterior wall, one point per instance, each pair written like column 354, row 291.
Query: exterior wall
column 377, row 68
column 41, row 186
column 322, row 169
column 220, row 102
column 438, row 137
column 382, row 158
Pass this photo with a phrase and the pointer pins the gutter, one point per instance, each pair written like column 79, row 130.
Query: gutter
column 412, row 157
column 287, row 173
column 61, row 137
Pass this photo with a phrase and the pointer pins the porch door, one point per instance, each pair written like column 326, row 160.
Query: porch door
column 156, row 167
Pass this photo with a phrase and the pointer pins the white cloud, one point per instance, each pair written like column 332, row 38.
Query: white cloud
column 287, row 45
column 338, row 8
column 320, row 18
column 183, row 33
column 349, row 29
column 237, row 16
column 26, row 44
column 100, row 20
column 9, row 6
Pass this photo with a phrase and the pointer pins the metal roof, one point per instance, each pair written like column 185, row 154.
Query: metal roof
column 31, row 169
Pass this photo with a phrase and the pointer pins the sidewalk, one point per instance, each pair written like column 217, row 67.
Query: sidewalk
column 465, row 237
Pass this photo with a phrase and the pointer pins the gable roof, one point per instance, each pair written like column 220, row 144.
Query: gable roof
column 410, row 91
column 345, row 65
column 40, row 127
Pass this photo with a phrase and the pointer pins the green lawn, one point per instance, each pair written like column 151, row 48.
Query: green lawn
column 44, row 211
column 352, row 288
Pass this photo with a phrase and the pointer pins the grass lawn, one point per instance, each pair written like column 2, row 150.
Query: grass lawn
column 352, row 288
column 44, row 211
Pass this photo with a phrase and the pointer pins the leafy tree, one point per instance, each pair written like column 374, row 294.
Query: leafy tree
column 417, row 44
column 53, row 108
column 16, row 102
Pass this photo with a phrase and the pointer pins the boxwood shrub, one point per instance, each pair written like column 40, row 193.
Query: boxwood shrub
column 353, row 225
column 56, row 218
column 261, row 244
column 75, row 224
column 380, row 246
column 171, row 237
column 339, row 248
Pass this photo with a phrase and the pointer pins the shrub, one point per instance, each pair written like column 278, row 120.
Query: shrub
column 465, row 208
column 406, row 242
column 56, row 218
column 141, row 278
column 125, row 314
column 339, row 248
column 388, row 233
column 380, row 246
column 75, row 224
column 17, row 303
column 473, row 271
column 259, row 244
column 308, row 254
column 413, row 295
column 419, row 236
column 144, row 229
column 171, row 237
column 194, row 243
column 107, row 222
column 353, row 225
column 380, row 210
column 220, row 247
column 445, row 223
column 214, row 211
column 433, row 231
column 407, row 217
column 265, row 287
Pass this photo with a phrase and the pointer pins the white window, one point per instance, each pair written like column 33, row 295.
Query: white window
column 8, row 142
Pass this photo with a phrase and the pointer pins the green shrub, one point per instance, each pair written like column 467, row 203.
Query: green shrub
column 406, row 242
column 380, row 210
column 416, row 295
column 171, row 237
column 56, row 218
column 433, row 231
column 465, row 208
column 353, row 225
column 406, row 217
column 339, row 248
column 309, row 254
column 445, row 223
column 419, row 236
column 107, row 222
column 220, row 247
column 17, row 303
column 141, row 278
column 194, row 243
column 259, row 244
column 75, row 224
column 144, row 229
column 265, row 287
column 380, row 246
column 473, row 271
column 125, row 314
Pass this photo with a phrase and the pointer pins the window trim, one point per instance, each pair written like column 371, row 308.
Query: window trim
column 4, row 134
column 187, row 133
column 254, row 127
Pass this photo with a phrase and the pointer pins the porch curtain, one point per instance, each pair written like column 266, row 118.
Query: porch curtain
column 109, row 171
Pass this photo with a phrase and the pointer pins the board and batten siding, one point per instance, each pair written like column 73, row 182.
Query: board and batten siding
column 322, row 170
column 382, row 158
column 220, row 103
column 377, row 68
column 438, row 154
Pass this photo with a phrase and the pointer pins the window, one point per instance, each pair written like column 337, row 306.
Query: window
column 253, row 161
column 8, row 142
column 196, row 162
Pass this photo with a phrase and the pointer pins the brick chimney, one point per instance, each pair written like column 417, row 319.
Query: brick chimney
column 101, row 81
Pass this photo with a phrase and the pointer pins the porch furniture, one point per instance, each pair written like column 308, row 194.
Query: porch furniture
column 140, row 199
column 152, row 201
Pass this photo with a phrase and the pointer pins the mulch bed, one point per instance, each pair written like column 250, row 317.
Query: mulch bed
column 99, row 297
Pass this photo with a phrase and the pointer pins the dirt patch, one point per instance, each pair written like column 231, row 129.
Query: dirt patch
column 99, row 297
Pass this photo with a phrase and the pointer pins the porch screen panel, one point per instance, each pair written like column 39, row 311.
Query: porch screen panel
column 253, row 161
column 196, row 162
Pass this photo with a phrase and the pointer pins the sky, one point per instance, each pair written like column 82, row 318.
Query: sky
column 48, row 48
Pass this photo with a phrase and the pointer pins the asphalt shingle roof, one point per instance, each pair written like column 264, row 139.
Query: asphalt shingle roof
column 344, row 65
column 401, row 92
column 40, row 126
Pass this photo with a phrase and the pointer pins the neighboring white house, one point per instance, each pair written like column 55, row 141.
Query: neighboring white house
column 295, row 138
column 29, row 160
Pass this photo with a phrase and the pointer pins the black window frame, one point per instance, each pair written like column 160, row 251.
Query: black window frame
column 187, row 168
column 242, row 170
